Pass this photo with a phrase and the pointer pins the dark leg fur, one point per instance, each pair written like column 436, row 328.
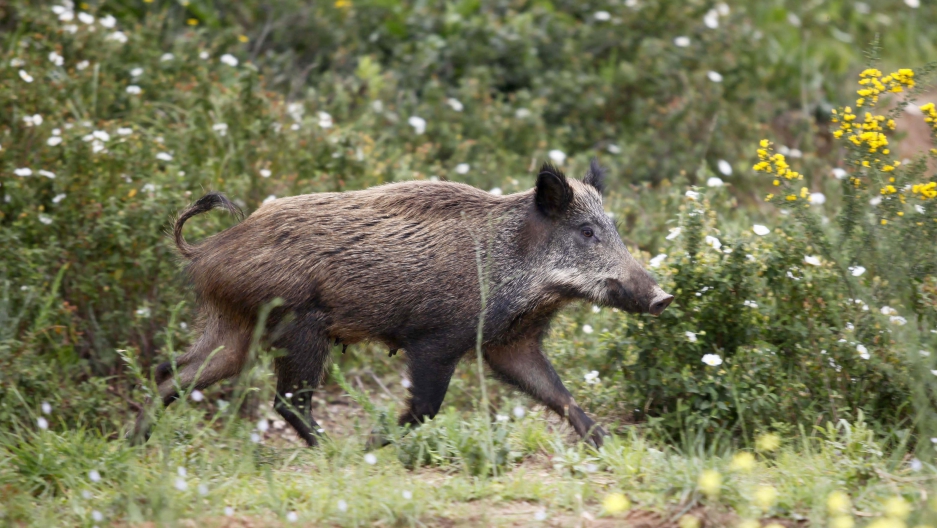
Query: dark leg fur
column 299, row 372
column 524, row 365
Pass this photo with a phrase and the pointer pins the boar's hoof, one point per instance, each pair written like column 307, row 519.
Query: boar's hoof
column 393, row 352
column 596, row 437
column 344, row 347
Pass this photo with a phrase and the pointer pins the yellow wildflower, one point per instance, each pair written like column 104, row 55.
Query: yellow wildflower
column 897, row 508
column 764, row 142
column 709, row 482
column 803, row 192
column 765, row 497
column 615, row 503
column 688, row 521
column 791, row 198
column 838, row 502
column 192, row 21
column 770, row 441
column 742, row 461
column 842, row 521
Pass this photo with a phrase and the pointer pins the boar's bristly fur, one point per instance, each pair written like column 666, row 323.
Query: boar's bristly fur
column 399, row 264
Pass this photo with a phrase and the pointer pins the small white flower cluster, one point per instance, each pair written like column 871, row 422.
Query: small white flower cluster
column 713, row 360
column 592, row 377
column 711, row 18
column 656, row 261
column 418, row 124
column 750, row 304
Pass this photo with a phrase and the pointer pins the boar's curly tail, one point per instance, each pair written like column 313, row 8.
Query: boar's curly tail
column 204, row 204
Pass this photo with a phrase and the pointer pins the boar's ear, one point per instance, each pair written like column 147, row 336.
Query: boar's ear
column 553, row 194
column 595, row 176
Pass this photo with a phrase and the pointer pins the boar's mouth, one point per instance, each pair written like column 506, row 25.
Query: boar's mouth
column 624, row 298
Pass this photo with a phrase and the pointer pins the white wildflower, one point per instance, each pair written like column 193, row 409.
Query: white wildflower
column 342, row 506
column 888, row 310
column 587, row 329
column 713, row 242
column 54, row 140
column 455, row 104
column 265, row 173
column 181, row 484
column 839, row 174
column 97, row 516
column 725, row 167
column 97, row 146
column 711, row 19
column 418, row 124
column 898, row 320
column 124, row 131
column 270, row 198
column 32, row 120
column 136, row 72
column 203, row 55
column 614, row 149
column 592, row 377
column 817, row 198
column 292, row 516
column 166, row 57
column 875, row 201
column 23, row 172
column 118, row 36
column 87, row 18
column 25, row 76
column 202, row 490
column 220, row 128
column 857, row 271
column 674, row 233
column 46, row 408
column 522, row 113
column 812, row 260
column 540, row 515
column 407, row 494
column 107, row 21
column 462, row 168
column 723, row 8
column 496, row 191
column 714, row 181
column 16, row 63
column 863, row 351
column 133, row 89
column 557, row 156
column 229, row 59
column 750, row 304
column 102, row 135
column 58, row 198
column 795, row 153
column 82, row 65
column 255, row 438
column 657, row 261
column 681, row 42
column 713, row 360
column 56, row 59
column 920, row 209
column 602, row 16
column 691, row 337
column 916, row 464
column 47, row 174
column 42, row 423
column 143, row 312
column 70, row 28
column 370, row 459
column 519, row 412
column 164, row 156
column 263, row 425
column 94, row 475
column 913, row 4
column 692, row 195
column 793, row 19
column 501, row 418
column 596, row 309
column 325, row 119
column 760, row 230
column 197, row 396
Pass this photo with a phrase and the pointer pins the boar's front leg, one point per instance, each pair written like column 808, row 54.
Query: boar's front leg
column 523, row 364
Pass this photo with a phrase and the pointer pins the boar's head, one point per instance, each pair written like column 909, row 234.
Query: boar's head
column 581, row 250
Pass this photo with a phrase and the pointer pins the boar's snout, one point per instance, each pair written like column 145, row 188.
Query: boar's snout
column 661, row 301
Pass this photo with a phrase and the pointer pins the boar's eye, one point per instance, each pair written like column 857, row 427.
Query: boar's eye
column 587, row 232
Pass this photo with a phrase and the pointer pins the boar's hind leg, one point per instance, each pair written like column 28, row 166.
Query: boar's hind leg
column 525, row 366
column 219, row 353
column 299, row 372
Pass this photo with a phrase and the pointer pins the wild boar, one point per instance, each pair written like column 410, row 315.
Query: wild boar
column 399, row 264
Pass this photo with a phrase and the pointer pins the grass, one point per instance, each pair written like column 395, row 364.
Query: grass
column 206, row 465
